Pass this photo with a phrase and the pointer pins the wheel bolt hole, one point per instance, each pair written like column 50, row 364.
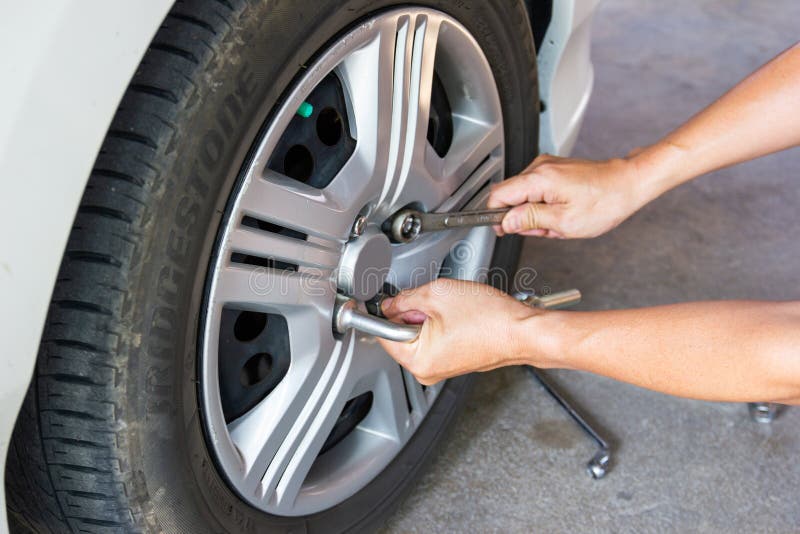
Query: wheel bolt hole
column 256, row 369
column 329, row 126
column 298, row 163
column 249, row 325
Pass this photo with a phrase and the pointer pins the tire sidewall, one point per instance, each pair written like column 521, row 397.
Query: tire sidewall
column 175, row 485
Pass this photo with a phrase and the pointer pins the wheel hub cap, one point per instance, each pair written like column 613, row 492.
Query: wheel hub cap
column 365, row 264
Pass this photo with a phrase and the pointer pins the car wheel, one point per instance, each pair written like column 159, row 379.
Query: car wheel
column 189, row 379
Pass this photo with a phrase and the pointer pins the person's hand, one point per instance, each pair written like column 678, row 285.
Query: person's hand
column 467, row 327
column 568, row 198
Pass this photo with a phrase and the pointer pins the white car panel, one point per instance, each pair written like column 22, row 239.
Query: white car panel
column 65, row 66
column 566, row 75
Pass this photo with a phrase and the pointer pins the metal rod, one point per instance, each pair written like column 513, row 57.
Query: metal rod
column 598, row 464
column 443, row 221
column 407, row 224
column 347, row 316
column 553, row 301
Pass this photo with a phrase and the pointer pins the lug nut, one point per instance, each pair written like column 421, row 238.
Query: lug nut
column 359, row 226
column 406, row 226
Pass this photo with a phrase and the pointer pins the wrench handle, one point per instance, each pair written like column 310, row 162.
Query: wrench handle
column 475, row 218
column 347, row 315
column 461, row 219
column 558, row 300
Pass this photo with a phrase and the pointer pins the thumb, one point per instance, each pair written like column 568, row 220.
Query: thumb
column 531, row 216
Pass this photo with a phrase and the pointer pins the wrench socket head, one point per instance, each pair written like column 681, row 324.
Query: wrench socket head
column 406, row 226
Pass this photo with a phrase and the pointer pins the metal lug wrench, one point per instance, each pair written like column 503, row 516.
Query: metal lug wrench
column 763, row 412
column 407, row 224
column 598, row 464
column 349, row 314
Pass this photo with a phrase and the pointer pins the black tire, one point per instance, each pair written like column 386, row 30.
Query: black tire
column 109, row 438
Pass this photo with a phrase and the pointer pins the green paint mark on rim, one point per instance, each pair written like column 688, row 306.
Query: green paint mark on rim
column 305, row 110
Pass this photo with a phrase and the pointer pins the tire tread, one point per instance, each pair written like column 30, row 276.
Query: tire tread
column 66, row 462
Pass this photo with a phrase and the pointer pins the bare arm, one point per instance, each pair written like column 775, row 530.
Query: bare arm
column 724, row 351
column 734, row 351
column 561, row 197
column 759, row 116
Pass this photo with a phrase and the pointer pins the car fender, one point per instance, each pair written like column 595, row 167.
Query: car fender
column 566, row 75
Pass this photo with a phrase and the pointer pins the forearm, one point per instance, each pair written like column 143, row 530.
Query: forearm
column 725, row 351
column 758, row 116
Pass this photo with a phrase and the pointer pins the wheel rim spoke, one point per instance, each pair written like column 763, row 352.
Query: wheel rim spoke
column 255, row 242
column 298, row 459
column 394, row 108
column 266, row 289
column 469, row 194
column 280, row 200
column 367, row 75
column 389, row 420
column 477, row 138
column 474, row 145
column 303, row 439
column 374, row 370
column 415, row 55
column 267, row 436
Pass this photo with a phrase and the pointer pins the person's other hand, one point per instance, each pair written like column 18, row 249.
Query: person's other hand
column 466, row 327
column 568, row 198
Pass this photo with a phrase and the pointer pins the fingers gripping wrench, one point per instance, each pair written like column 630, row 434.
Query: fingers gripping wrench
column 348, row 314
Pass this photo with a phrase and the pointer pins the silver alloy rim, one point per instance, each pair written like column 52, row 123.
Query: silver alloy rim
column 270, row 455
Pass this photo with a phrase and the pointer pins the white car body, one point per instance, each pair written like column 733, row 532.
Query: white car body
column 65, row 67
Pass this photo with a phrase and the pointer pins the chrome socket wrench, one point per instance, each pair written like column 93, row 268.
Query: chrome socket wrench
column 406, row 225
column 348, row 313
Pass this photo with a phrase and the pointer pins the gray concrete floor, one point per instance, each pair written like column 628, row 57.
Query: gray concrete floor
column 514, row 462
